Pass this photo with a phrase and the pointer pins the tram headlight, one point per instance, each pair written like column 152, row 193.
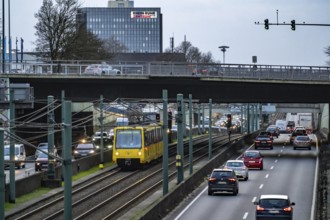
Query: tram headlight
column 139, row 153
column 117, row 153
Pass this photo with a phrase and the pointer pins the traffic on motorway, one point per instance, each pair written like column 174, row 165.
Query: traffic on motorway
column 276, row 187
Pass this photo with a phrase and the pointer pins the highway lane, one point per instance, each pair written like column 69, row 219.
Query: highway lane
column 23, row 172
column 286, row 171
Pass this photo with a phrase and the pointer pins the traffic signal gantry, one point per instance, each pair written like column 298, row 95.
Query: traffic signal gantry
column 292, row 24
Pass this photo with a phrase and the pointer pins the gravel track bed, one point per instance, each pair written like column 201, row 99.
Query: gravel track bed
column 110, row 189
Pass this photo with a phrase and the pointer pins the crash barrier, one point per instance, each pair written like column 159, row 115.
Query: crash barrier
column 161, row 208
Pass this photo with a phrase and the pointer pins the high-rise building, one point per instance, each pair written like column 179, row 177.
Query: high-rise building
column 138, row 29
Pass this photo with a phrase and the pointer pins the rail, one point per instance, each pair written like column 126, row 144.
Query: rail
column 170, row 69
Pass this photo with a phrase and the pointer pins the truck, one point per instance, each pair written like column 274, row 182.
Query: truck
column 306, row 120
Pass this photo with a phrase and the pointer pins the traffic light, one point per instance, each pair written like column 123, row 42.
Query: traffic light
column 157, row 117
column 266, row 24
column 293, row 25
column 169, row 120
column 228, row 124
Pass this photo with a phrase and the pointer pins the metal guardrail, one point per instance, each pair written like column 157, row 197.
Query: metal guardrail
column 239, row 71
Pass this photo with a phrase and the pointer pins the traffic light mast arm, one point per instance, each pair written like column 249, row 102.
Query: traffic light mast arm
column 300, row 24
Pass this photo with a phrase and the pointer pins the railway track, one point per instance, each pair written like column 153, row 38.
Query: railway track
column 109, row 195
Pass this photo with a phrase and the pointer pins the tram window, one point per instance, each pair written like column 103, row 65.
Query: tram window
column 128, row 139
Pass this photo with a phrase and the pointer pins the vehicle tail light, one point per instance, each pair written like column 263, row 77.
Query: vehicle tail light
column 269, row 141
column 212, row 179
column 232, row 179
column 288, row 209
column 257, row 141
column 259, row 208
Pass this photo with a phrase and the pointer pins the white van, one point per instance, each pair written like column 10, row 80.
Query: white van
column 20, row 156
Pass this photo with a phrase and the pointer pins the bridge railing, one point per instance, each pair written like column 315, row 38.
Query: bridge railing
column 164, row 69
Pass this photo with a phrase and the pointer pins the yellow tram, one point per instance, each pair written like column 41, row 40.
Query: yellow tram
column 136, row 146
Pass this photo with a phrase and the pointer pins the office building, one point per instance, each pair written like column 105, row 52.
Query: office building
column 138, row 29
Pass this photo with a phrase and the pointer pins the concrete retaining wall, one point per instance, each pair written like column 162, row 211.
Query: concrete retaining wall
column 33, row 182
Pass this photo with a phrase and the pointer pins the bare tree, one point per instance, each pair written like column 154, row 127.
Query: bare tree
column 84, row 45
column 193, row 54
column 327, row 52
column 56, row 24
column 207, row 58
column 114, row 46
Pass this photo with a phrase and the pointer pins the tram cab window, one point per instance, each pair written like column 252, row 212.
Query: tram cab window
column 128, row 139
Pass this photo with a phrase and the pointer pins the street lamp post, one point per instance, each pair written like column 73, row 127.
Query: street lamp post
column 223, row 49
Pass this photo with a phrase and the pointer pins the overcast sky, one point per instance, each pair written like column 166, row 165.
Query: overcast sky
column 208, row 24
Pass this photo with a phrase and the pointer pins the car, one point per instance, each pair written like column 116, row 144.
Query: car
column 98, row 135
column 268, row 133
column 223, row 180
column 43, row 147
column 41, row 162
column 84, row 149
column 253, row 159
column 107, row 141
column 290, row 126
column 274, row 206
column 19, row 155
column 297, row 132
column 101, row 69
column 274, row 130
column 263, row 141
column 302, row 141
column 241, row 171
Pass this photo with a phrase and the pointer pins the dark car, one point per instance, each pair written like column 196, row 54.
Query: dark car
column 268, row 133
column 223, row 180
column 263, row 141
column 302, row 141
column 274, row 207
column 274, row 130
column 290, row 126
column 84, row 149
column 41, row 162
column 253, row 159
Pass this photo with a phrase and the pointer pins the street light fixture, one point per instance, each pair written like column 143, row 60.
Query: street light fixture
column 223, row 49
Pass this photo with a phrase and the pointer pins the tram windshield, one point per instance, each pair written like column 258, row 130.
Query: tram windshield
column 128, row 139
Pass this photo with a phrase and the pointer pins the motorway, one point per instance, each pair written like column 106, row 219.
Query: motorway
column 23, row 172
column 286, row 171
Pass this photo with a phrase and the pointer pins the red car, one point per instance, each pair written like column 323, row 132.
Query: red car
column 253, row 159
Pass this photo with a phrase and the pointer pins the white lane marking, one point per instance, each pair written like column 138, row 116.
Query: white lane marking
column 267, row 175
column 276, row 161
column 262, row 185
column 281, row 150
column 245, row 215
column 254, row 199
column 272, row 167
column 190, row 204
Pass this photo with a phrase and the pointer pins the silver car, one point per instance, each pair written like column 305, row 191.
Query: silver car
column 241, row 171
column 302, row 141
column 101, row 69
